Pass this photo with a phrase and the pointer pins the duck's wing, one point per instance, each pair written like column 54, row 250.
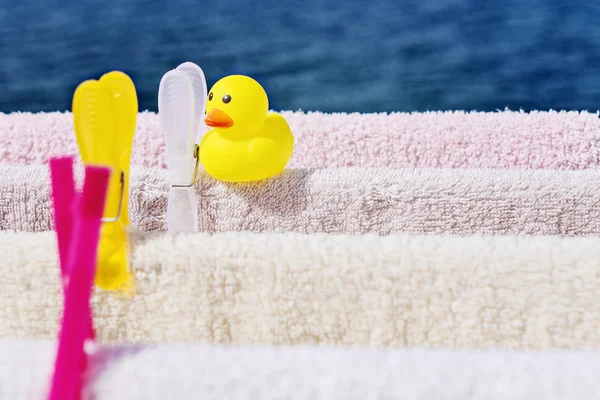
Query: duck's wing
column 275, row 142
column 277, row 128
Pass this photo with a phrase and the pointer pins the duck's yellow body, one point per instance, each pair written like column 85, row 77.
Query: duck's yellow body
column 255, row 156
column 246, row 143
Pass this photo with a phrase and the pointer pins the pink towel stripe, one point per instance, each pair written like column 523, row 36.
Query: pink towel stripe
column 507, row 139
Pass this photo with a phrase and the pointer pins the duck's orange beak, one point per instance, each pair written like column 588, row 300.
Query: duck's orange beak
column 217, row 118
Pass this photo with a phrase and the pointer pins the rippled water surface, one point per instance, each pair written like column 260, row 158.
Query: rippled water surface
column 367, row 56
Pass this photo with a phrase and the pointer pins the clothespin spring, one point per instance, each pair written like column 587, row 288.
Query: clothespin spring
column 115, row 219
column 197, row 157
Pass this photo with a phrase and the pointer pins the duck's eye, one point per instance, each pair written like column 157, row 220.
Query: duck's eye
column 226, row 99
column 210, row 96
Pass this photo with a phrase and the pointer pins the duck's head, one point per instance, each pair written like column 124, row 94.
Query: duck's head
column 236, row 104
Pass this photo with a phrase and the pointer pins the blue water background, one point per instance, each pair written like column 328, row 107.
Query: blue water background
column 328, row 55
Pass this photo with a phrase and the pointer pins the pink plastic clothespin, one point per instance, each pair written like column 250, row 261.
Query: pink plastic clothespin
column 64, row 199
column 77, row 221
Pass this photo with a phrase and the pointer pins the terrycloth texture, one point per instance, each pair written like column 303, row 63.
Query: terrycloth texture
column 214, row 372
column 541, row 140
column 518, row 292
column 347, row 201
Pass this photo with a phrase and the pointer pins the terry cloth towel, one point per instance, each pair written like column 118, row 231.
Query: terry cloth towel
column 513, row 292
column 179, row 371
column 348, row 201
column 541, row 140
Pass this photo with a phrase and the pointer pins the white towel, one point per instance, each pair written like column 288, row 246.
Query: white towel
column 179, row 371
column 517, row 292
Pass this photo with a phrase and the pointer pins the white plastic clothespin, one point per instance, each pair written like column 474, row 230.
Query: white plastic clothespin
column 181, row 106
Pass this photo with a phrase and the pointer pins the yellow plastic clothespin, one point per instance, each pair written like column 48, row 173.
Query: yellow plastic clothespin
column 104, row 113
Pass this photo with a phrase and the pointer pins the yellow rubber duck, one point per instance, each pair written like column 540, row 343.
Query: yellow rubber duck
column 246, row 142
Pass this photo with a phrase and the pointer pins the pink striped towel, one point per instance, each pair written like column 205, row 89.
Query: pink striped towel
column 507, row 139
